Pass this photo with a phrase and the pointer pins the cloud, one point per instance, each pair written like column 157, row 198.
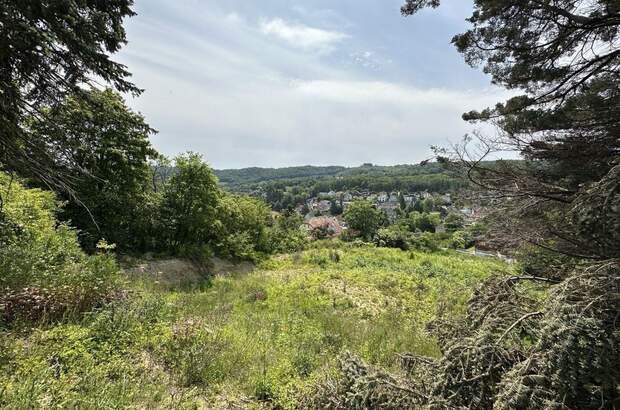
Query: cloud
column 360, row 92
column 245, row 89
column 301, row 36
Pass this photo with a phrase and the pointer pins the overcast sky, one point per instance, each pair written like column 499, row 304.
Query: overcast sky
column 283, row 82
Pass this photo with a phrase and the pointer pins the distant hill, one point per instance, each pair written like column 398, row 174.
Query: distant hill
column 247, row 178
column 236, row 177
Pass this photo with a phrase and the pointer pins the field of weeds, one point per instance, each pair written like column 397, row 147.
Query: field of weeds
column 243, row 340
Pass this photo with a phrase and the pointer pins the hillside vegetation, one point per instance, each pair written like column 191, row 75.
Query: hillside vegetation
column 431, row 176
column 318, row 324
column 258, row 339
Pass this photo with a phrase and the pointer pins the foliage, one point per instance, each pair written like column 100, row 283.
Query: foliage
column 362, row 216
column 109, row 149
column 454, row 222
column 241, row 228
column 395, row 236
column 45, row 274
column 268, row 335
column 286, row 234
column 55, row 48
column 189, row 207
column 423, row 222
column 461, row 240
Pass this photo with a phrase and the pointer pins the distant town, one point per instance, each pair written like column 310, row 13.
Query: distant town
column 325, row 210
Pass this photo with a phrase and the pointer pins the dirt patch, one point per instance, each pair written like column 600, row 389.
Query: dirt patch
column 221, row 267
column 179, row 272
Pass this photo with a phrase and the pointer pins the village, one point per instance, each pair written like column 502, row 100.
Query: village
column 325, row 210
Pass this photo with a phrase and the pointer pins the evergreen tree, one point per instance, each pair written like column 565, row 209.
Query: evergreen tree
column 48, row 50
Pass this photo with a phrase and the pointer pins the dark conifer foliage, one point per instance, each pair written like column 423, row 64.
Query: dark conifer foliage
column 563, row 58
column 49, row 49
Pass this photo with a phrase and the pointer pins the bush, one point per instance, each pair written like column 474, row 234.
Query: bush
column 461, row 240
column 191, row 353
column 425, row 242
column 395, row 236
column 241, row 227
column 286, row 234
column 44, row 271
column 423, row 222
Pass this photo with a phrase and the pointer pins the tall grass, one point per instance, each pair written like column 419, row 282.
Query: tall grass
column 256, row 339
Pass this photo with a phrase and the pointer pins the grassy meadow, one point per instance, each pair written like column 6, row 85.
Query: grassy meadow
column 245, row 340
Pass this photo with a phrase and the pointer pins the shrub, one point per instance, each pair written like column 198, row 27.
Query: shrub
column 241, row 227
column 423, row 222
column 286, row 234
column 191, row 353
column 425, row 242
column 461, row 240
column 44, row 271
column 395, row 236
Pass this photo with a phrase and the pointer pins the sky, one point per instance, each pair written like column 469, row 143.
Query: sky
column 275, row 83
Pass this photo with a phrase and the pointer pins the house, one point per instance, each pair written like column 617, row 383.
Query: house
column 393, row 198
column 323, row 206
column 390, row 209
column 382, row 197
column 328, row 226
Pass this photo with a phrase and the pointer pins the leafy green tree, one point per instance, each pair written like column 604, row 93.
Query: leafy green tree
column 428, row 205
column 423, row 222
column 401, row 201
column 286, row 234
column 454, row 222
column 462, row 240
column 418, row 206
column 364, row 217
column 190, row 205
column 109, row 150
column 51, row 49
column 334, row 208
column 241, row 228
column 395, row 236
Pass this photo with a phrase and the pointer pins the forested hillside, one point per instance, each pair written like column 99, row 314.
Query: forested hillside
column 431, row 176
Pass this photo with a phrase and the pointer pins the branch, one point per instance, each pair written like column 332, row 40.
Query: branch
column 521, row 319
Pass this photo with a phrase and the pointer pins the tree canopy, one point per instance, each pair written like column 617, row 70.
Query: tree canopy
column 362, row 216
column 49, row 49
column 110, row 151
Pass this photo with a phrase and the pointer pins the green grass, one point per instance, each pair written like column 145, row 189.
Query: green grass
column 253, row 338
